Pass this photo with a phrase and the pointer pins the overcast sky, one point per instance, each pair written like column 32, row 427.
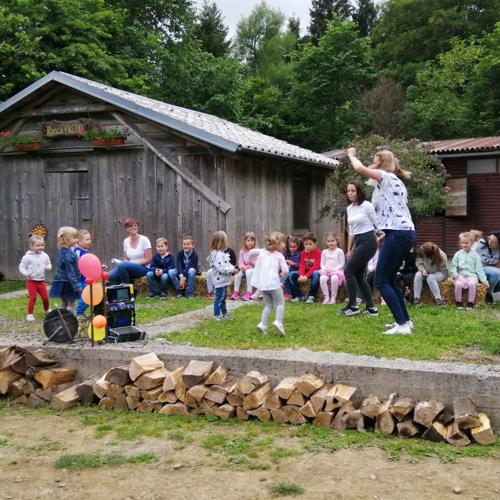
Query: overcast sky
column 233, row 10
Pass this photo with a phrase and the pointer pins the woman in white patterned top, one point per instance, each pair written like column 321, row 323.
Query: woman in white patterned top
column 390, row 200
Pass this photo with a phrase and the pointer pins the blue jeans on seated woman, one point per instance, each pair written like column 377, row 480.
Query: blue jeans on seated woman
column 127, row 272
column 397, row 243
column 493, row 276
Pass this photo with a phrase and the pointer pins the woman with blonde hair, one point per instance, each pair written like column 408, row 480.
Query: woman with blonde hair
column 390, row 200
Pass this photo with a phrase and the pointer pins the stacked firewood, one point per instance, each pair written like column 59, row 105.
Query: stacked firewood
column 33, row 378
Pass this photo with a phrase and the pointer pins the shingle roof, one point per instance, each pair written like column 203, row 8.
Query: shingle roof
column 465, row 145
column 207, row 128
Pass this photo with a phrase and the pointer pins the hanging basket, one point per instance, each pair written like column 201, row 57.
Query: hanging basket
column 27, row 146
column 115, row 141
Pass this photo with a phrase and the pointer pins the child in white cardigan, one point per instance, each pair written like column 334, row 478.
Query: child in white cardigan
column 332, row 269
column 266, row 278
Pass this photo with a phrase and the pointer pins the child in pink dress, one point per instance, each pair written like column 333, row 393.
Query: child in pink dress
column 332, row 269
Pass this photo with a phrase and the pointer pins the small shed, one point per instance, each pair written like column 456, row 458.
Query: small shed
column 179, row 171
column 473, row 199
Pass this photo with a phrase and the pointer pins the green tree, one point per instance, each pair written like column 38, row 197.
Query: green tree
column 327, row 80
column 426, row 195
column 211, row 31
column 322, row 12
column 365, row 16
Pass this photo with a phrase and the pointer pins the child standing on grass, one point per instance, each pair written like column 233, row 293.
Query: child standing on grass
column 33, row 266
column 221, row 272
column 294, row 246
column 210, row 284
column 82, row 247
column 332, row 268
column 246, row 267
column 266, row 277
column 466, row 271
column 67, row 281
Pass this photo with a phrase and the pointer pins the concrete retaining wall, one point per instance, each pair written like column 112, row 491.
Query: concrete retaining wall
column 417, row 379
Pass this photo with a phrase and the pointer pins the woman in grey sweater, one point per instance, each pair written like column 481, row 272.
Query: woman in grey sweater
column 432, row 265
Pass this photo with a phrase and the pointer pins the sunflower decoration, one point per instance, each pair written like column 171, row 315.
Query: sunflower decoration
column 40, row 230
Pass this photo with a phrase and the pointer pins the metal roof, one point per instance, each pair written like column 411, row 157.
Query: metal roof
column 465, row 145
column 207, row 128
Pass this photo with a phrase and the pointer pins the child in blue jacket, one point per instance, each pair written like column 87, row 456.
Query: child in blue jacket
column 161, row 268
column 187, row 269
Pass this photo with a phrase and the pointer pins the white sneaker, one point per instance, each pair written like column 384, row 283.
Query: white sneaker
column 261, row 328
column 279, row 328
column 310, row 299
column 392, row 325
column 30, row 317
column 399, row 330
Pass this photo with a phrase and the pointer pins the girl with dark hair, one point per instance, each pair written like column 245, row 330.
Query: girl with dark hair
column 488, row 250
column 361, row 247
column 393, row 217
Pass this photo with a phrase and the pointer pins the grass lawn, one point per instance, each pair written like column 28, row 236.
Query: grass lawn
column 439, row 332
column 10, row 286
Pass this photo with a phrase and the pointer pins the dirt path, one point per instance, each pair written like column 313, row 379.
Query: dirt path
column 30, row 446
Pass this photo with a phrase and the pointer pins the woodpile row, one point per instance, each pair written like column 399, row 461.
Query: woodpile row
column 203, row 387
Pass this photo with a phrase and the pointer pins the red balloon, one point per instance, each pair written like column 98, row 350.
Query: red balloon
column 105, row 275
column 89, row 281
column 90, row 266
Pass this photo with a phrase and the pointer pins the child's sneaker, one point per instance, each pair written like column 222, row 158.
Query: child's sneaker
column 326, row 301
column 287, row 296
column 417, row 301
column 440, row 302
column 210, row 296
column 470, row 305
column 163, row 295
column 235, row 295
column 349, row 311
column 217, row 318
column 227, row 317
column 247, row 296
column 459, row 304
column 261, row 328
column 279, row 328
column 310, row 299
column 257, row 295
column 333, row 300
column 30, row 317
column 150, row 296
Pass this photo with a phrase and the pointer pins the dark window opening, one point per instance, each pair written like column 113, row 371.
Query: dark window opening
column 301, row 186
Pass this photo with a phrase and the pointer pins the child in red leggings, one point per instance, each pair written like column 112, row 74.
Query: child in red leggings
column 33, row 265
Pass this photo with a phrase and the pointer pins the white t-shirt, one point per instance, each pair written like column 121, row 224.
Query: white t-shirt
column 390, row 200
column 361, row 218
column 266, row 273
column 138, row 253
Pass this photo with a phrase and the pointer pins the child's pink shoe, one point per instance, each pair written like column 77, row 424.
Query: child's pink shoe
column 333, row 300
column 235, row 295
column 287, row 296
column 326, row 301
column 257, row 295
column 247, row 296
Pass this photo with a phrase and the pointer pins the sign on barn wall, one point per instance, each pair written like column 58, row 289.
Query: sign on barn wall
column 456, row 197
column 66, row 128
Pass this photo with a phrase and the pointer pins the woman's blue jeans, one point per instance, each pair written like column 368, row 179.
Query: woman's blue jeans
column 392, row 253
column 127, row 272
column 220, row 302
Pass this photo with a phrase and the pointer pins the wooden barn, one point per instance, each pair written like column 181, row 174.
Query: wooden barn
column 473, row 200
column 178, row 171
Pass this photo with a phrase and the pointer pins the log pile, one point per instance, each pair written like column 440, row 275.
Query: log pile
column 204, row 387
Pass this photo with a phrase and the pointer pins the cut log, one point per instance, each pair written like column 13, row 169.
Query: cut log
column 293, row 415
column 174, row 409
column 272, row 402
column 167, row 397
column 307, row 410
column 132, row 391
column 7, row 376
column 437, row 432
column 323, row 419
column 217, row 377
column 249, row 382
column 132, row 403
column 446, row 417
column 296, row 399
column 216, row 393
column 180, row 390
column 19, row 387
column 483, row 434
column 39, row 357
column 144, row 364
column 197, row 392
column 152, row 394
column 225, row 411
column 371, row 406
column 401, row 407
column 278, row 415
column 456, row 437
column 19, row 366
column 118, row 375
column 338, row 422
column 4, row 355
column 241, row 413
column 46, row 395
column 343, row 393
column 172, row 379
column 318, row 399
column 308, row 383
column 120, row 402
column 148, row 406
column 85, row 391
column 286, row 387
column 49, row 377
column 257, row 398
column 190, row 401
column 151, row 379
column 354, row 420
column 20, row 400
column 426, row 411
column 196, row 372
column 65, row 399
column 465, row 413
column 107, row 402
column 407, row 428
column 384, row 423
column 114, row 390
column 234, row 399
column 101, row 386
column 206, row 407
column 261, row 413
column 35, row 401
